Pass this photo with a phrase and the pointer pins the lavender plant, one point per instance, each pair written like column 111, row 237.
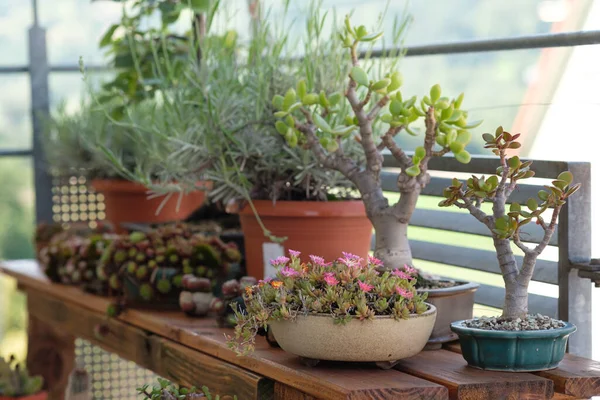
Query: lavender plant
column 372, row 111
column 505, row 225
column 346, row 288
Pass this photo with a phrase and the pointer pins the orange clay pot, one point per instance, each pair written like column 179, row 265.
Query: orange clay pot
column 127, row 201
column 37, row 396
column 312, row 227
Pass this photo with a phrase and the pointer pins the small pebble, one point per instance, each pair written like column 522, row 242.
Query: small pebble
column 531, row 323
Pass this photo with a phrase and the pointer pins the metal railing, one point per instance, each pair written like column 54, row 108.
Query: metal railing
column 574, row 233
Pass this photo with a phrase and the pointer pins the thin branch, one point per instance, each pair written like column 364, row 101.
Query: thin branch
column 429, row 142
column 505, row 170
column 380, row 104
column 388, row 141
column 476, row 212
column 548, row 231
column 440, row 153
column 517, row 239
column 366, row 100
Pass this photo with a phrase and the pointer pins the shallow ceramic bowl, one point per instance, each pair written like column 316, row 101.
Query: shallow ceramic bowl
column 515, row 351
column 316, row 336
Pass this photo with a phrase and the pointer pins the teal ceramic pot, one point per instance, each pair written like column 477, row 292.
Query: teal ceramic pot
column 513, row 351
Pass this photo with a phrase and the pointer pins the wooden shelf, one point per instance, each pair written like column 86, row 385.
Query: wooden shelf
column 193, row 351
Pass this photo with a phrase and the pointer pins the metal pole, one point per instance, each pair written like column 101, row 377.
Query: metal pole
column 38, row 75
column 575, row 245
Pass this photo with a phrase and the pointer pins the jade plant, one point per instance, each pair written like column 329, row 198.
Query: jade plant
column 15, row 380
column 346, row 288
column 505, row 223
column 168, row 391
column 372, row 111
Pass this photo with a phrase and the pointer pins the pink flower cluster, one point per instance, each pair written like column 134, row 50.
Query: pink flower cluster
column 351, row 260
column 330, row 279
column 404, row 293
column 280, row 261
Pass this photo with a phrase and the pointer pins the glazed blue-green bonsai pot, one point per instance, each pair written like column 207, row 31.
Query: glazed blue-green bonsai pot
column 513, row 351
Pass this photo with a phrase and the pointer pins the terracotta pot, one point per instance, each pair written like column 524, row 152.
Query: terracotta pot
column 37, row 396
column 127, row 201
column 312, row 227
column 453, row 304
column 384, row 339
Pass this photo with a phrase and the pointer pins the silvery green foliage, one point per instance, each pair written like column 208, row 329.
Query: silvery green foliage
column 15, row 380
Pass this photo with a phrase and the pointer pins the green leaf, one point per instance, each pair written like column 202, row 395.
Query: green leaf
column 342, row 130
column 459, row 100
column 395, row 107
column 488, row 137
column 371, row 37
column 323, row 100
column 321, row 123
column 199, row 6
column 413, row 170
column 301, row 88
column 382, row 84
column 514, row 162
column 441, row 140
column 463, row 157
column 543, row 195
column 420, row 152
column 501, row 234
column 332, row 146
column 396, row 81
column 492, row 181
column 359, row 76
column 565, row 176
column 277, row 102
column 456, row 147
column 435, row 92
column 410, row 131
column 107, row 37
column 335, row 98
column 560, row 184
column 361, row 31
column 514, row 145
column 289, row 99
column 499, row 131
column 456, row 182
column 310, row 99
column 280, row 114
column 532, row 204
column 281, row 127
column 289, row 120
column 515, row 207
column 473, row 124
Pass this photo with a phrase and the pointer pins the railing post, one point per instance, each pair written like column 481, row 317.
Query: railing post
column 38, row 74
column 575, row 245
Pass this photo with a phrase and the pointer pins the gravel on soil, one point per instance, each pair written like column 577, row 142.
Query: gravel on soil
column 537, row 322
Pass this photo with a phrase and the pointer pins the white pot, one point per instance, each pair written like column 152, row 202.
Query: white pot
column 316, row 336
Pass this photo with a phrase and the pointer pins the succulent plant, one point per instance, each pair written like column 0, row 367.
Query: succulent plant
column 372, row 110
column 151, row 265
column 168, row 391
column 196, row 297
column 505, row 225
column 346, row 288
column 15, row 380
column 231, row 300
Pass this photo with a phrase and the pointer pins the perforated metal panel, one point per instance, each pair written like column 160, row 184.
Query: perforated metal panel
column 112, row 378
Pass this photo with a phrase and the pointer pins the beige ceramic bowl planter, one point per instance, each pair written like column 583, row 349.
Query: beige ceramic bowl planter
column 384, row 340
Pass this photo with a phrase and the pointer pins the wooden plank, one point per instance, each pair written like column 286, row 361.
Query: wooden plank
column 576, row 376
column 175, row 362
column 465, row 223
column 480, row 260
column 451, row 370
column 560, row 396
column 283, row 392
column 51, row 354
column 186, row 367
column 483, row 164
column 349, row 381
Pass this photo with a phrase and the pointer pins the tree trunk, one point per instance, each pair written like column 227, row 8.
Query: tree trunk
column 515, row 301
column 391, row 241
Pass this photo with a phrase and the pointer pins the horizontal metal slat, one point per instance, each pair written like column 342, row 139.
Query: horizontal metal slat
column 493, row 296
column 482, row 164
column 479, row 260
column 465, row 223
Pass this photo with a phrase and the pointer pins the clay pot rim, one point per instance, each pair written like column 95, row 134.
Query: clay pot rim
column 124, row 185
column 462, row 287
column 486, row 333
column 306, row 209
column 431, row 310
column 37, row 396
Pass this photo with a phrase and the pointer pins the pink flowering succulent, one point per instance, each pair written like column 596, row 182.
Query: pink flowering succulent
column 347, row 288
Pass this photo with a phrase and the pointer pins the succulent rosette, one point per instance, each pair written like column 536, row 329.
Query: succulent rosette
column 347, row 288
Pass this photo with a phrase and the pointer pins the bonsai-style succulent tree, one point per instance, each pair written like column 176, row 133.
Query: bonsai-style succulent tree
column 504, row 224
column 15, row 380
column 377, row 113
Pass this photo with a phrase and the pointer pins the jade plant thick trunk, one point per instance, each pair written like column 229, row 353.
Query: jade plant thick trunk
column 505, row 225
column 373, row 114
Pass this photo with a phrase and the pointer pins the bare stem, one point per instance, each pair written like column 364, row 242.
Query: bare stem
column 387, row 140
column 481, row 216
